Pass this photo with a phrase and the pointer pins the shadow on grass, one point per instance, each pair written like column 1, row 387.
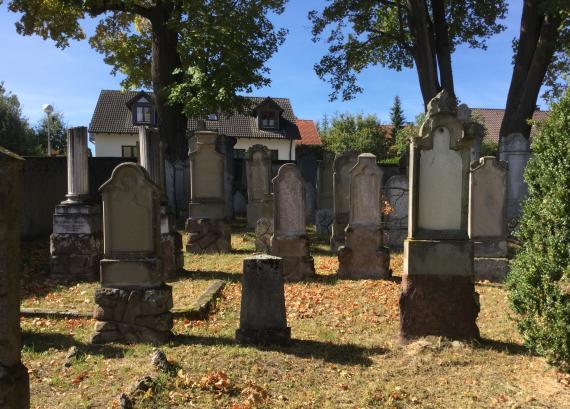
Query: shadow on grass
column 332, row 279
column 508, row 347
column 42, row 342
column 343, row 354
column 206, row 275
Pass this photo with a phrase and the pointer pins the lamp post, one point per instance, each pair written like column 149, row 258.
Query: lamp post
column 48, row 109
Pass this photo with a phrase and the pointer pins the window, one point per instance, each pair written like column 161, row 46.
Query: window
column 212, row 117
column 268, row 119
column 144, row 114
column 129, row 151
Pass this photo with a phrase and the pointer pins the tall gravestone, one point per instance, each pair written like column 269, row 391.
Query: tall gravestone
column 258, row 174
column 75, row 244
column 225, row 145
column 133, row 303
column 207, row 227
column 152, row 159
column 343, row 163
column 396, row 217
column 487, row 218
column 14, row 379
column 363, row 254
column 290, row 240
column 324, row 213
column 438, row 295
column 516, row 152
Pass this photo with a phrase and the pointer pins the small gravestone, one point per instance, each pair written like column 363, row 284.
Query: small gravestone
column 487, row 218
column 262, row 315
column 14, row 379
column 133, row 304
column 323, row 223
column 363, row 254
column 396, row 213
column 75, row 244
column 438, row 295
column 290, row 239
column 263, row 233
column 207, row 227
column 325, row 181
column 152, row 159
column 258, row 173
column 343, row 163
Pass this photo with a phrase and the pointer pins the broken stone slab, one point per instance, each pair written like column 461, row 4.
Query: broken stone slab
column 208, row 236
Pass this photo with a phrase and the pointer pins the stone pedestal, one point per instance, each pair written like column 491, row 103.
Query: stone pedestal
column 363, row 256
column 259, row 209
column 133, row 315
column 76, row 242
column 298, row 264
column 263, row 233
column 208, row 236
column 263, row 320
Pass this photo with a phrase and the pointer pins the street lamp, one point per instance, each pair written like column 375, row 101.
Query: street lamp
column 48, row 109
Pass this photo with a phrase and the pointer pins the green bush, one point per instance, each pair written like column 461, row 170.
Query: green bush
column 539, row 281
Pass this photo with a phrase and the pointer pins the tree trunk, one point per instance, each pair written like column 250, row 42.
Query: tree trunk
column 442, row 47
column 172, row 123
column 537, row 44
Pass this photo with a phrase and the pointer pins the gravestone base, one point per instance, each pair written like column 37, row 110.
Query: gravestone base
column 363, row 256
column 263, row 233
column 125, row 273
column 258, row 210
column 14, row 387
column 323, row 222
column 298, row 264
column 76, row 242
column 208, row 236
column 171, row 244
column 133, row 315
column 338, row 235
column 491, row 269
column 490, row 248
column 438, row 290
column 278, row 336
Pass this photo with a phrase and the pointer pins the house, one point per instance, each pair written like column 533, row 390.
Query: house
column 268, row 121
column 492, row 118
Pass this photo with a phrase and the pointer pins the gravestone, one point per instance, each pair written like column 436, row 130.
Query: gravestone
column 515, row 151
column 306, row 161
column 325, row 181
column 75, row 244
column 396, row 214
column 363, row 255
column 487, row 218
column 152, row 159
column 133, row 304
column 225, row 145
column 263, row 320
column 438, row 295
column 14, row 379
column 263, row 233
column 343, row 163
column 290, row 240
column 323, row 223
column 258, row 173
column 207, row 227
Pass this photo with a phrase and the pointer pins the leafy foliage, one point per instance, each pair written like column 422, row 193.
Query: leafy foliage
column 397, row 115
column 15, row 132
column 404, row 137
column 358, row 133
column 57, row 131
column 539, row 282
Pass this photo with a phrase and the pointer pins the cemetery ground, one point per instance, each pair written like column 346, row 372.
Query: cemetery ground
column 345, row 351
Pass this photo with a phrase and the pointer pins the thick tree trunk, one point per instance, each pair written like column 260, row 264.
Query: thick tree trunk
column 442, row 47
column 537, row 44
column 172, row 123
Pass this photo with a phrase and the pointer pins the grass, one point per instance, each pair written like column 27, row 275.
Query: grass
column 345, row 353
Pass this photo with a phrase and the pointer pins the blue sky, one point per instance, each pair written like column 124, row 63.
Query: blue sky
column 71, row 79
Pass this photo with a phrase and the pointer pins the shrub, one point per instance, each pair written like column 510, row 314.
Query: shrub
column 539, row 281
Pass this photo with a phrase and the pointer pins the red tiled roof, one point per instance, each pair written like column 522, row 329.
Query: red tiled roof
column 493, row 117
column 309, row 133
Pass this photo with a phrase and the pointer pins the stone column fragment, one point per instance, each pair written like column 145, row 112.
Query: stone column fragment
column 14, row 379
column 77, row 165
column 262, row 316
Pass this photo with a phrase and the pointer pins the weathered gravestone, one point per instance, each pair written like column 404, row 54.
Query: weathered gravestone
column 516, row 152
column 207, row 227
column 363, row 254
column 396, row 215
column 438, row 296
column 225, row 145
column 75, row 244
column 258, row 173
column 262, row 316
column 324, row 214
column 152, row 159
column 341, row 196
column 487, row 218
column 263, row 233
column 14, row 379
column 133, row 304
column 290, row 240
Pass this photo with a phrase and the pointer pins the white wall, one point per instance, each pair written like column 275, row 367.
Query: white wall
column 281, row 145
column 109, row 144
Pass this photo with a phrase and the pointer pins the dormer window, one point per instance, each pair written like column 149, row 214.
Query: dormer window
column 142, row 110
column 144, row 114
column 268, row 119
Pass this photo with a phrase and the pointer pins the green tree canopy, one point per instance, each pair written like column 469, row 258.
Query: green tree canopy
column 397, row 115
column 15, row 132
column 57, row 131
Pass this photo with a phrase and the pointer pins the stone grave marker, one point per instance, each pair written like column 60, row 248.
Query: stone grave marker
column 290, row 239
column 363, row 254
column 396, row 217
column 258, row 173
column 343, row 163
column 438, row 296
